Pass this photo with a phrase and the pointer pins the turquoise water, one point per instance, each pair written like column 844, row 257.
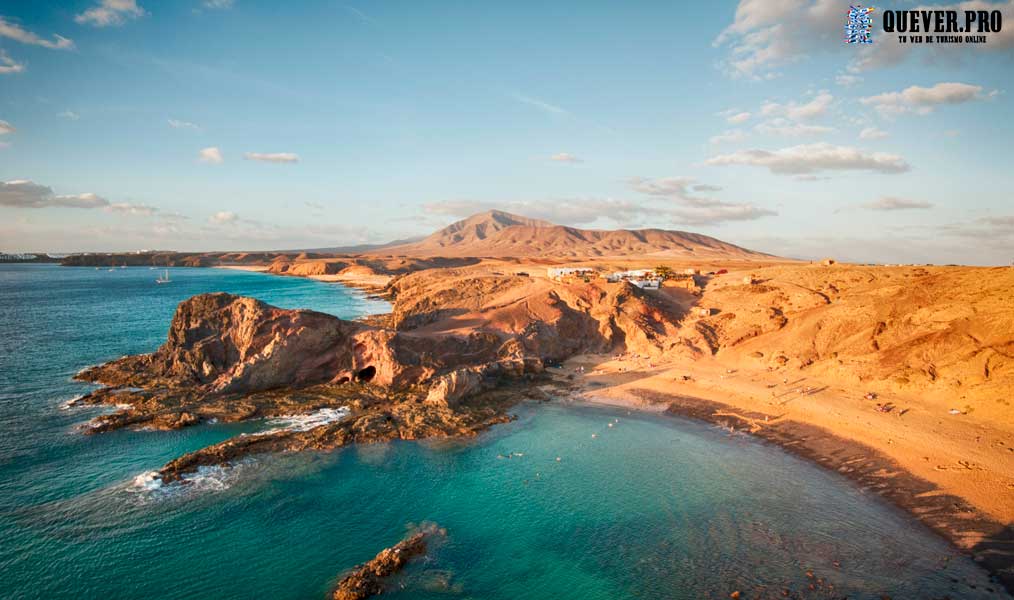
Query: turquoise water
column 649, row 508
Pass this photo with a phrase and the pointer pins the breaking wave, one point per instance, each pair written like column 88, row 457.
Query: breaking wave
column 148, row 486
column 306, row 422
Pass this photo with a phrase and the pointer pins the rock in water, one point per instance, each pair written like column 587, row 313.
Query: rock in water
column 367, row 579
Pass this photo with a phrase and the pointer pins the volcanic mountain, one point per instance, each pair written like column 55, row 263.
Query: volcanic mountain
column 499, row 234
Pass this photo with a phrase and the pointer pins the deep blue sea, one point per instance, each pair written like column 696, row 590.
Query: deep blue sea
column 652, row 507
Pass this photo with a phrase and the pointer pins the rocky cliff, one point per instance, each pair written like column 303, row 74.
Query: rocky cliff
column 232, row 358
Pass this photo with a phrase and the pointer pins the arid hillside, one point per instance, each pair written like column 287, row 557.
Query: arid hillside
column 501, row 235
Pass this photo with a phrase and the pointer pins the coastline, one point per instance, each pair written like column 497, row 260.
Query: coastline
column 949, row 468
column 372, row 284
column 976, row 528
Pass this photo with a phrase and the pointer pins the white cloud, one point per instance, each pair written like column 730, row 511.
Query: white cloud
column 69, row 114
column 126, row 208
column 686, row 207
column 766, row 34
column 922, row 100
column 178, row 124
column 1003, row 221
column 210, row 155
column 872, row 133
column 9, row 65
column 731, row 136
column 566, row 157
column 6, row 127
column 787, row 128
column 738, row 118
column 847, row 79
column 814, row 158
column 19, row 34
column 662, row 186
column 893, row 203
column 22, row 193
column 817, row 107
column 110, row 13
column 705, row 187
column 223, row 217
column 272, row 157
column 218, row 4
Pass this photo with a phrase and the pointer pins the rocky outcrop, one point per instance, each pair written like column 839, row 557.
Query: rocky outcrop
column 231, row 358
column 367, row 579
column 225, row 344
column 372, row 418
column 455, row 387
column 220, row 343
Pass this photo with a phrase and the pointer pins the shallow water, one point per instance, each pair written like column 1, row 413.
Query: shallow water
column 651, row 507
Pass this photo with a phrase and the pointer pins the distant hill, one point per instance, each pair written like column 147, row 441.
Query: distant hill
column 360, row 248
column 499, row 234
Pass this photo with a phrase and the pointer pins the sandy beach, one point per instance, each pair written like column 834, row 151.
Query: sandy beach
column 366, row 281
column 954, row 472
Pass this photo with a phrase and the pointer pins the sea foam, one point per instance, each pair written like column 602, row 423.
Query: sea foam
column 148, row 486
column 307, row 421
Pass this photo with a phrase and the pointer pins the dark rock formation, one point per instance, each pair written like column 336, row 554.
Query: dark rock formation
column 367, row 579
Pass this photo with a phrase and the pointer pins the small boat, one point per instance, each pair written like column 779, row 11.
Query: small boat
column 164, row 278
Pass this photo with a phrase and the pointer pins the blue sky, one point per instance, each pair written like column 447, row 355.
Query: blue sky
column 196, row 125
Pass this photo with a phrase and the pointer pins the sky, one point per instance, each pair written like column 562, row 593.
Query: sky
column 257, row 125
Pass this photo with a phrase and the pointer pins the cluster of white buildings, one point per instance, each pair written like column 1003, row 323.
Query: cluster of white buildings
column 646, row 279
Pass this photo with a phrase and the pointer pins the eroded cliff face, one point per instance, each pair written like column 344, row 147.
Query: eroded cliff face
column 220, row 343
column 231, row 358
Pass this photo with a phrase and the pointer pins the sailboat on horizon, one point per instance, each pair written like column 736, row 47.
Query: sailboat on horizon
column 164, row 278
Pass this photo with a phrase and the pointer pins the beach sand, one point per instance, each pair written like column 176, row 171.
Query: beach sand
column 366, row 281
column 954, row 472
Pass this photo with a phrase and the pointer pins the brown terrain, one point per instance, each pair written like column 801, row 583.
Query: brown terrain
column 899, row 377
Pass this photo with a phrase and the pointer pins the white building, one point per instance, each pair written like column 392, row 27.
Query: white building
column 560, row 272
column 645, row 279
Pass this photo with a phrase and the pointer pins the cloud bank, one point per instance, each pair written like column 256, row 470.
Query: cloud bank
column 814, row 158
column 272, row 157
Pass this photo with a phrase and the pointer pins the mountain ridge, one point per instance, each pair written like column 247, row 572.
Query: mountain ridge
column 496, row 233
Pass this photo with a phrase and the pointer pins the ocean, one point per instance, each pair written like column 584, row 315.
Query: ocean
column 650, row 507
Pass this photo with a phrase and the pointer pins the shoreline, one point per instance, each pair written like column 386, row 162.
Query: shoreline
column 372, row 285
column 950, row 469
column 970, row 529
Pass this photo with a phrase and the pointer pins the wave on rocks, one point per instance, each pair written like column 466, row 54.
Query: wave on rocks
column 307, row 421
column 149, row 485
